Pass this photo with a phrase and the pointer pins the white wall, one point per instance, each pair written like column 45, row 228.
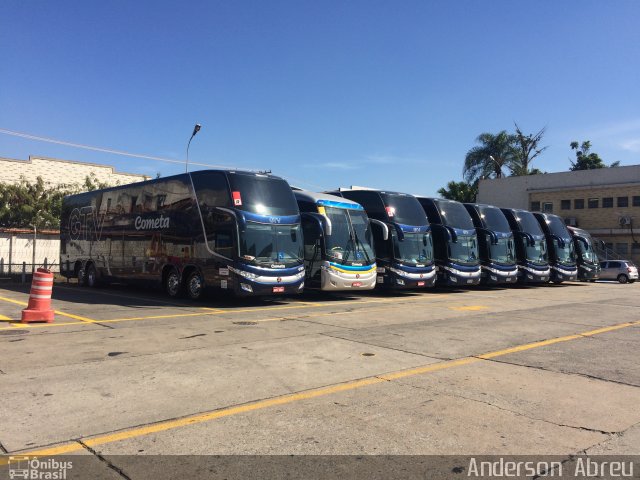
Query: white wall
column 19, row 247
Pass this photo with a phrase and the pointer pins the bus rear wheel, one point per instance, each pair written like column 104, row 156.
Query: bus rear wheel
column 195, row 285
column 172, row 283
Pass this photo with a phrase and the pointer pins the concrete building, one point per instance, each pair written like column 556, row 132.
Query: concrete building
column 62, row 172
column 605, row 202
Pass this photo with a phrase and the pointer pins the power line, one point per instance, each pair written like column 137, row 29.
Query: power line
column 106, row 150
column 129, row 154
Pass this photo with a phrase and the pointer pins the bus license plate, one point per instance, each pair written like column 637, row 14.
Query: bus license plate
column 278, row 289
column 470, row 281
column 421, row 284
column 356, row 284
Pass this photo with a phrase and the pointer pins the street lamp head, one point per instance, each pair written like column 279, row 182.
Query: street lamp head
column 196, row 129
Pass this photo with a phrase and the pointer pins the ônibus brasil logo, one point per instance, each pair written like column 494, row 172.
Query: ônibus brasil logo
column 151, row 223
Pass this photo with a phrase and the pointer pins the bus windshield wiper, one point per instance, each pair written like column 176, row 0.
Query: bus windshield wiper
column 355, row 236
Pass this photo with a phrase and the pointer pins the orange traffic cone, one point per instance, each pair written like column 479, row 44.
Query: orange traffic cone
column 39, row 308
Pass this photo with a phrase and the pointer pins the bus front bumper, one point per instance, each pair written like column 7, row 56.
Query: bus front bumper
column 494, row 276
column 588, row 272
column 532, row 275
column 247, row 284
column 458, row 278
column 333, row 280
column 559, row 274
column 394, row 278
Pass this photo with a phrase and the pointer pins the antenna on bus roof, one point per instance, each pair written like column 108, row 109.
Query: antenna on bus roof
column 355, row 187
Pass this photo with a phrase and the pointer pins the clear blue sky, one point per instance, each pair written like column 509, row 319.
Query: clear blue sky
column 385, row 94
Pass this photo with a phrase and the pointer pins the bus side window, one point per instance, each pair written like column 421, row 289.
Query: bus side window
column 381, row 246
column 311, row 234
column 220, row 233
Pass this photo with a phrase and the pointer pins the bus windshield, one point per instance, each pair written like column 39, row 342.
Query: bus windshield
column 265, row 245
column 537, row 253
column 502, row 252
column 528, row 223
column 585, row 249
column 494, row 219
column 416, row 249
column 566, row 254
column 464, row 250
column 557, row 227
column 262, row 195
column 455, row 215
column 350, row 239
column 404, row 209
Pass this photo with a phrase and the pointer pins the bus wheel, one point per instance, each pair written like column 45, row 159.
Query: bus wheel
column 172, row 283
column 195, row 285
column 91, row 276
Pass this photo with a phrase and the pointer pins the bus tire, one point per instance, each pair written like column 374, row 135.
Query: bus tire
column 195, row 285
column 172, row 284
column 91, row 276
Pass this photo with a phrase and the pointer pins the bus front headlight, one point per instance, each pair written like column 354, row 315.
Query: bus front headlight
column 244, row 273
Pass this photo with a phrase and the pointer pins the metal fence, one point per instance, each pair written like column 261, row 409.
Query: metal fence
column 23, row 272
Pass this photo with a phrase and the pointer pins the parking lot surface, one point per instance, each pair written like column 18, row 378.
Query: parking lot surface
column 521, row 370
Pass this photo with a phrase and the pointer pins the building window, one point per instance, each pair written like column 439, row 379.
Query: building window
column 607, row 202
column 535, row 206
column 565, row 204
column 635, row 248
column 547, row 207
column 594, row 203
column 608, row 246
column 623, row 201
column 578, row 204
column 636, row 200
column 622, row 248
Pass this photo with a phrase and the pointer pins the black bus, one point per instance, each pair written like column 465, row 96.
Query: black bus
column 495, row 239
column 531, row 246
column 588, row 263
column 562, row 254
column 401, row 237
column 227, row 230
column 455, row 241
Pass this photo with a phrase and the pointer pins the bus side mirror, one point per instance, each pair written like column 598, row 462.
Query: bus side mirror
column 323, row 222
column 561, row 242
column 452, row 233
column 383, row 226
column 237, row 214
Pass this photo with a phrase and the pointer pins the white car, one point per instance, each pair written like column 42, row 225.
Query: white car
column 621, row 270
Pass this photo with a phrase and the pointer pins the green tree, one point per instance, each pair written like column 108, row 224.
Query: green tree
column 460, row 191
column 28, row 205
column 586, row 159
column 488, row 159
column 527, row 149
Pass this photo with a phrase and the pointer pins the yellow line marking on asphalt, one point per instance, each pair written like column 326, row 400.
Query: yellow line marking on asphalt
column 57, row 312
column 309, row 394
column 210, row 311
column 11, row 300
column 5, row 319
column 469, row 308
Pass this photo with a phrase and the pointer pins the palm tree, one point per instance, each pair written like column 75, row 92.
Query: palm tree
column 486, row 160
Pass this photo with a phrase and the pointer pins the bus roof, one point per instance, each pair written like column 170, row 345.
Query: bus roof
column 326, row 200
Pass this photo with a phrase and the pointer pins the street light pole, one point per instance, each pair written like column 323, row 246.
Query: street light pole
column 196, row 129
column 496, row 163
